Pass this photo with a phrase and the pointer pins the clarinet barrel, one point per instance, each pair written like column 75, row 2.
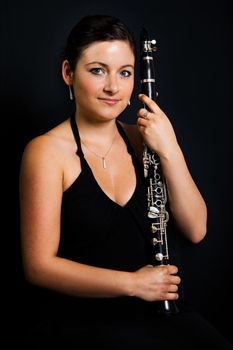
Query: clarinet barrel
column 156, row 187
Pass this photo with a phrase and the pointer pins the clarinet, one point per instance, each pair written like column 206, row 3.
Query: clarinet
column 156, row 188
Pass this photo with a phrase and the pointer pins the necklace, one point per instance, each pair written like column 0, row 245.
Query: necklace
column 103, row 158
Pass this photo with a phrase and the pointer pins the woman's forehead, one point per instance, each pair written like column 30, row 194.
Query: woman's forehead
column 115, row 49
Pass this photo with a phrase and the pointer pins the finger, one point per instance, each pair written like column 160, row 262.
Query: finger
column 149, row 102
column 175, row 279
column 173, row 288
column 172, row 296
column 142, row 122
column 143, row 113
column 173, row 270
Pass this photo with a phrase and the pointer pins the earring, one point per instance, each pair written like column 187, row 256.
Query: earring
column 71, row 93
column 129, row 103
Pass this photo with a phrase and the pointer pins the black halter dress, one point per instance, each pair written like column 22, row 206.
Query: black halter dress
column 97, row 231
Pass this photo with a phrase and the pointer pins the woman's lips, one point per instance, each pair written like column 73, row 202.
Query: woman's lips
column 109, row 101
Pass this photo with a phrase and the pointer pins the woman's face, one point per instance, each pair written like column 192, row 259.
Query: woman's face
column 103, row 80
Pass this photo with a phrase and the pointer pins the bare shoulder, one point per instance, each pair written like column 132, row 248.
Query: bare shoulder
column 134, row 137
column 49, row 148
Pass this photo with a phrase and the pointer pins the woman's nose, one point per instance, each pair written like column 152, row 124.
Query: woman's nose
column 111, row 84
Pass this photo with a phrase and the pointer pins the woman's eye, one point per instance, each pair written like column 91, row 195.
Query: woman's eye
column 96, row 71
column 126, row 73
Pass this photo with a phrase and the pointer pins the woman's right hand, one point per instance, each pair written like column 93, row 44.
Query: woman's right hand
column 156, row 283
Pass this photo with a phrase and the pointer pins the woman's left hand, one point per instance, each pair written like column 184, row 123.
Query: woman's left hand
column 155, row 128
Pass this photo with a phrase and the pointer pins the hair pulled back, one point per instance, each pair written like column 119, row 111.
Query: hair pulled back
column 94, row 28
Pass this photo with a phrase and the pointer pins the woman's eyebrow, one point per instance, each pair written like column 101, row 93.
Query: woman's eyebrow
column 106, row 65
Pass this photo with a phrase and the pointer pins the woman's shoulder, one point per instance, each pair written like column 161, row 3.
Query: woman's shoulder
column 48, row 146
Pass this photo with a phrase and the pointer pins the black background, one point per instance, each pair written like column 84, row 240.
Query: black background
column 194, row 80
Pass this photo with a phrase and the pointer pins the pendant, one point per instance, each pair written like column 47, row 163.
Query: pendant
column 104, row 163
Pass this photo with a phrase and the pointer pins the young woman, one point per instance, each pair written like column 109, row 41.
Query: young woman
column 85, row 243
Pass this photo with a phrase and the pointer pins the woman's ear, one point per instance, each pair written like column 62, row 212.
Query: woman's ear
column 67, row 73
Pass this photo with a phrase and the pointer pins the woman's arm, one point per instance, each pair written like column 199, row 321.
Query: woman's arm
column 186, row 203
column 41, row 188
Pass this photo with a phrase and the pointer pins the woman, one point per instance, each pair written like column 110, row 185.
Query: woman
column 85, row 243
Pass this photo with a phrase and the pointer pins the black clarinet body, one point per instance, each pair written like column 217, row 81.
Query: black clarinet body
column 156, row 188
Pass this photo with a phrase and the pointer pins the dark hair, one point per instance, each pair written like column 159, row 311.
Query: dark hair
column 95, row 28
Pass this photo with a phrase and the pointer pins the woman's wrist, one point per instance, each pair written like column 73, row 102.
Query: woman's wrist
column 128, row 284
